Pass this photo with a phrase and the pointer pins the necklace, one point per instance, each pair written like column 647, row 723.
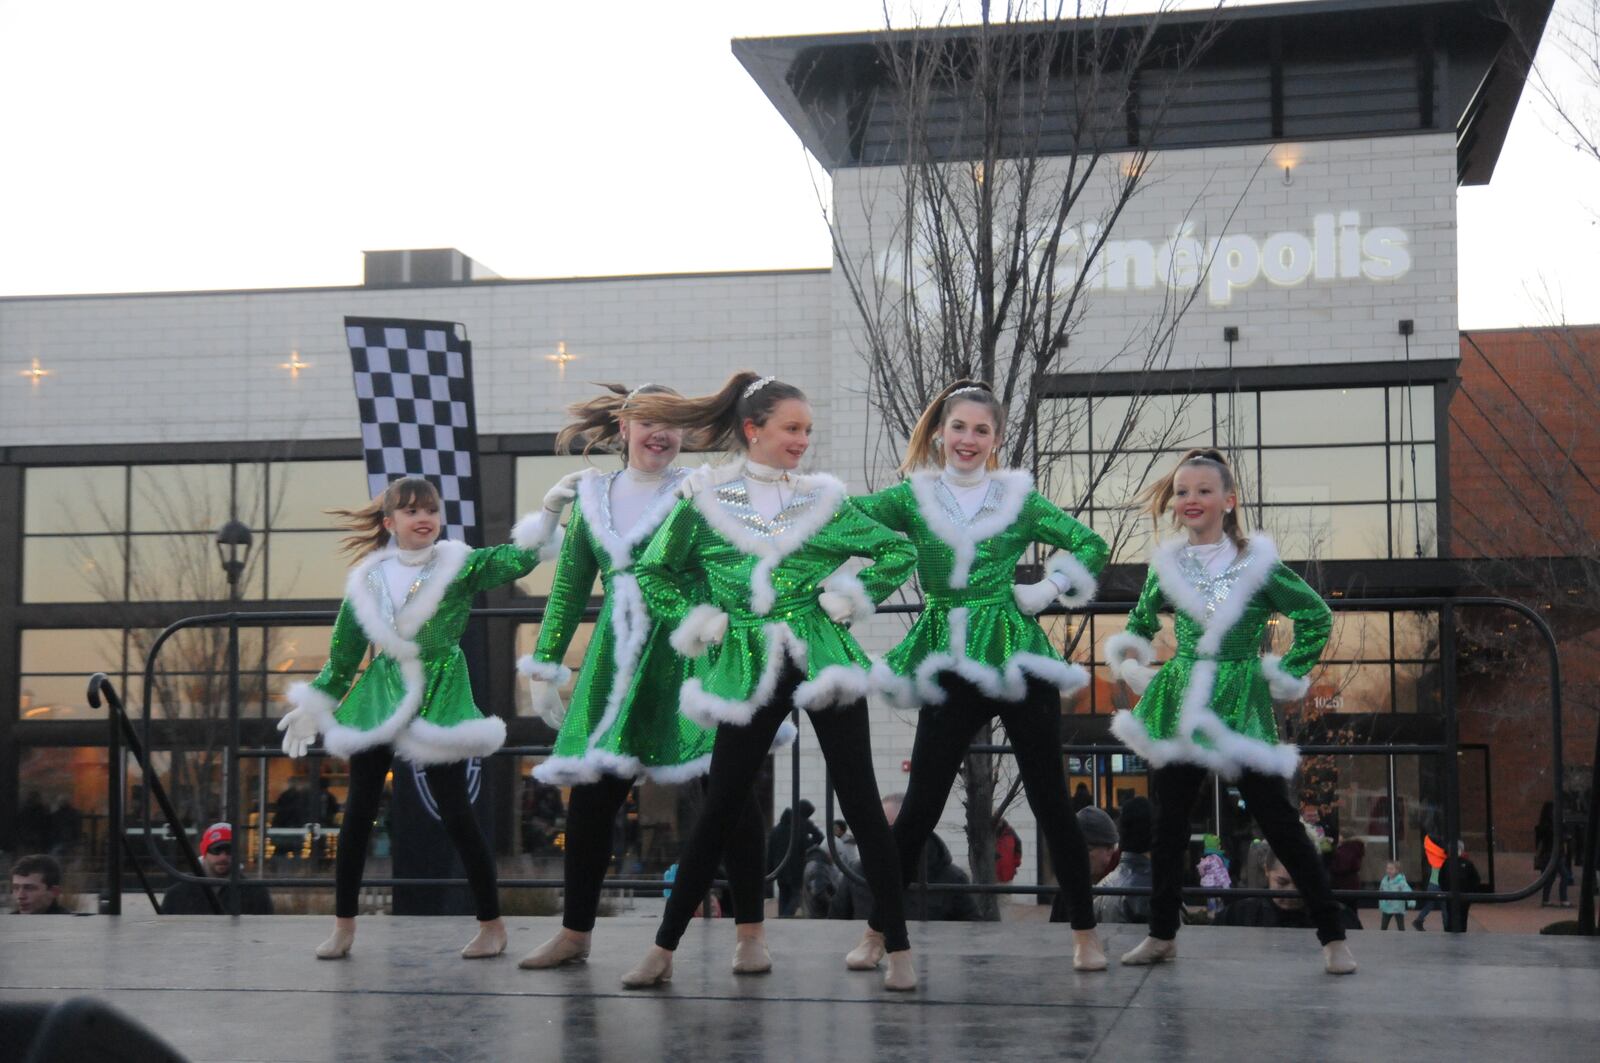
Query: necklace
column 415, row 558
column 964, row 479
column 765, row 474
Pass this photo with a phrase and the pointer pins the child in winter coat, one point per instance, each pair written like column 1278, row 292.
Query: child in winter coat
column 1394, row 882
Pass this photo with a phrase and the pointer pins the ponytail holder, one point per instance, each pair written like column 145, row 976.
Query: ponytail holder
column 756, row 385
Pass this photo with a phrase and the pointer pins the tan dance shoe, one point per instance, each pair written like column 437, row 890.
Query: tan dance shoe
column 557, row 952
column 1151, row 950
column 867, row 955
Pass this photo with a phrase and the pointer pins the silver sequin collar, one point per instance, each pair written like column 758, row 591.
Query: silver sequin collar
column 380, row 588
column 734, row 497
column 1214, row 589
column 953, row 510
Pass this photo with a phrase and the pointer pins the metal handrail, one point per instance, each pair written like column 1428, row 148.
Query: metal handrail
column 1446, row 606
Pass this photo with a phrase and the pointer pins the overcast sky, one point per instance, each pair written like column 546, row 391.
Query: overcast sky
column 187, row 145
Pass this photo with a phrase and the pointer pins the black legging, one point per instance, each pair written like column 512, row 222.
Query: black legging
column 1033, row 726
column 845, row 737
column 448, row 784
column 590, row 815
column 1175, row 788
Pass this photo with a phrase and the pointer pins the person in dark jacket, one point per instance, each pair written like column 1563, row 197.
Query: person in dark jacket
column 794, row 873
column 216, row 856
column 1278, row 911
column 853, row 900
column 36, row 886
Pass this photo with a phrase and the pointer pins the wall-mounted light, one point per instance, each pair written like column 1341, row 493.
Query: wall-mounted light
column 35, row 373
column 1230, row 333
column 561, row 357
column 1408, row 327
column 294, row 365
column 1288, row 173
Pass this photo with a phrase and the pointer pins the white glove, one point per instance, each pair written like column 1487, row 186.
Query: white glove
column 565, row 490
column 299, row 731
column 547, row 703
column 699, row 480
column 1034, row 598
column 841, row 609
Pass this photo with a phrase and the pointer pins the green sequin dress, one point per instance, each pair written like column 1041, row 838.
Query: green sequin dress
column 415, row 694
column 1211, row 704
column 765, row 576
column 970, row 623
column 622, row 718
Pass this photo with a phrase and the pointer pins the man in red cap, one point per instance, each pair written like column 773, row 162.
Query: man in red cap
column 216, row 856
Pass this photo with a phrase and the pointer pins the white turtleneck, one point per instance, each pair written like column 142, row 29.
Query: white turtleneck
column 969, row 489
column 631, row 495
column 769, row 488
column 401, row 570
column 1215, row 557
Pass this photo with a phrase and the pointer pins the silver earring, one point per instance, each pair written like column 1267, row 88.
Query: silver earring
column 1227, row 511
column 938, row 441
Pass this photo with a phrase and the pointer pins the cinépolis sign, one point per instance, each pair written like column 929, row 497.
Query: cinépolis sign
column 1332, row 248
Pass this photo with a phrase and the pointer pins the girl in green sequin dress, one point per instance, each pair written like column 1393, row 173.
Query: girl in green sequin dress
column 749, row 565
column 977, row 652
column 409, row 596
column 623, row 721
column 1210, row 708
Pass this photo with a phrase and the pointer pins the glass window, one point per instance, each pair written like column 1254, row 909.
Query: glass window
column 80, row 568
column 1067, row 421
column 84, row 500
column 1342, row 474
column 306, row 565
column 301, row 490
column 180, row 498
column 1413, row 475
column 1411, row 413
column 1328, row 533
column 1322, row 415
column 175, row 568
column 527, row 638
column 1236, row 419
column 1414, row 523
column 78, row 651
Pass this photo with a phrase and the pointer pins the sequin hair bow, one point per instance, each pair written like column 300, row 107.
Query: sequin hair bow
column 756, row 385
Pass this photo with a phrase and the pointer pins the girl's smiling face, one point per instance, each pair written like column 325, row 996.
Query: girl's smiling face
column 652, row 446
column 969, row 435
column 1199, row 502
column 415, row 526
column 781, row 442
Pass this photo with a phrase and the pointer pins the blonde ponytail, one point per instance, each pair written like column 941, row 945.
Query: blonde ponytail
column 719, row 418
column 598, row 421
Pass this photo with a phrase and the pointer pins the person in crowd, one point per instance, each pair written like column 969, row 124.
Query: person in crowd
column 1280, row 911
column 978, row 651
column 1007, row 852
column 1213, row 871
column 792, row 873
column 1433, row 852
column 622, row 722
column 216, row 859
column 1135, row 822
column 1344, row 863
column 1547, row 847
column 749, row 564
column 1099, row 832
column 1210, row 708
column 1394, row 882
column 36, row 886
column 1460, row 874
column 853, row 900
column 409, row 595
column 1081, row 798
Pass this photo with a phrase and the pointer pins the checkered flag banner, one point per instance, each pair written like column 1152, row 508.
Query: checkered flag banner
column 414, row 389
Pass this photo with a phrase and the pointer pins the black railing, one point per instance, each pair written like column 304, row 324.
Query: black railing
column 1451, row 896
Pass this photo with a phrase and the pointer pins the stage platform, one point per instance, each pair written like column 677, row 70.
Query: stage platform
column 250, row 989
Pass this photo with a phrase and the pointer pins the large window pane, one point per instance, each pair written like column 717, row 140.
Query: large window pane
column 1328, row 533
column 306, row 565
column 1415, row 522
column 1236, row 420
column 1123, row 476
column 52, row 698
column 1322, row 415
column 1416, row 636
column 1068, row 425
column 1413, row 476
column 72, row 569
column 1356, row 637
column 301, row 490
column 1411, row 413
column 1065, row 479
column 1345, row 474
column 72, row 650
column 180, row 498
column 1350, row 688
column 80, row 501
column 175, row 568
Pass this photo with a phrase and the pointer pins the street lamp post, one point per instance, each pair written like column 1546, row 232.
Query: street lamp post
column 233, row 550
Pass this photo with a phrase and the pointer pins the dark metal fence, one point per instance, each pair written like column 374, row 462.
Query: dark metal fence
column 123, row 739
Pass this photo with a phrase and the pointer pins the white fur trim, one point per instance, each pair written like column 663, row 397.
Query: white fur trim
column 787, row 733
column 566, row 771
column 315, row 703
column 897, row 690
column 963, row 540
column 770, row 549
column 1229, row 753
column 836, row 686
column 1283, row 686
column 709, row 710
column 539, row 531
column 672, row 774
column 1129, row 658
column 605, row 762
column 549, row 671
column 425, row 743
column 697, row 631
column 1083, row 585
column 850, row 586
column 630, row 629
column 619, row 546
column 1261, row 558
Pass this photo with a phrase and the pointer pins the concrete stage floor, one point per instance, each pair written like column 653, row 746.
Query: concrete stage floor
column 250, row 989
